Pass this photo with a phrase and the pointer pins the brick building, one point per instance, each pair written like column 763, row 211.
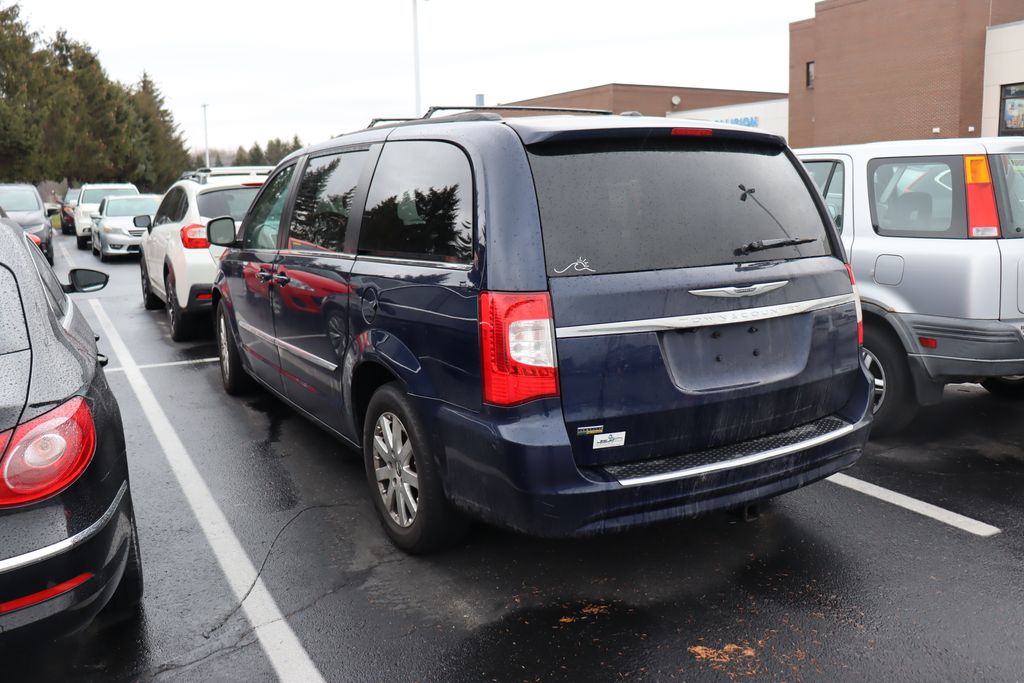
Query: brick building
column 653, row 100
column 864, row 70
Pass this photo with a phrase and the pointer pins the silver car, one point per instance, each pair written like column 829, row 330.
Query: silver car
column 113, row 232
column 23, row 205
column 934, row 231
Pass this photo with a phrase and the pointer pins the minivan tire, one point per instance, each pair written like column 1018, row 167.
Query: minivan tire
column 236, row 380
column 82, row 242
column 436, row 524
column 1005, row 387
column 899, row 404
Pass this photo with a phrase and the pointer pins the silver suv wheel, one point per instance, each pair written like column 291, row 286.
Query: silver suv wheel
column 878, row 379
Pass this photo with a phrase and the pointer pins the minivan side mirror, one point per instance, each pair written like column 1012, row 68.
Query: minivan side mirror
column 221, row 231
column 143, row 222
column 85, row 280
column 52, row 211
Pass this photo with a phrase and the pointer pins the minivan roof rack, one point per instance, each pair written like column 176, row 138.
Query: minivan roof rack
column 374, row 122
column 516, row 107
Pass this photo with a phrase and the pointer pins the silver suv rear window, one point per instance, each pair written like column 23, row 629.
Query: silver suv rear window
column 619, row 206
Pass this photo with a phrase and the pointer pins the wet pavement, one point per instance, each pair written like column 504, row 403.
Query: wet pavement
column 827, row 584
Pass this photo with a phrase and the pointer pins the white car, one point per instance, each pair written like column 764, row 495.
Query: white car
column 89, row 201
column 114, row 232
column 178, row 263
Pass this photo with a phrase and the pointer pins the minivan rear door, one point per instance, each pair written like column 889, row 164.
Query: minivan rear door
column 698, row 295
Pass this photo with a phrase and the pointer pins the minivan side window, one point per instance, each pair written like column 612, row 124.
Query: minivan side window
column 265, row 215
column 918, row 197
column 828, row 177
column 420, row 204
column 323, row 202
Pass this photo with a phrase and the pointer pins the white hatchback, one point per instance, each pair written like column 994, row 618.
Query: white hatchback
column 178, row 264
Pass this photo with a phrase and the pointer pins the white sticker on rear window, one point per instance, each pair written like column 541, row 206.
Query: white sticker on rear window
column 611, row 440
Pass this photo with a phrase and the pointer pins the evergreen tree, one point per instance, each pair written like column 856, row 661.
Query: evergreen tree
column 256, row 155
column 61, row 116
column 241, row 157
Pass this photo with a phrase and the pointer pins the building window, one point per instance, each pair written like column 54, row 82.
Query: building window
column 810, row 75
column 1011, row 110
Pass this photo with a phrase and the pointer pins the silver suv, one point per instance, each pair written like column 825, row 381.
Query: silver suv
column 934, row 230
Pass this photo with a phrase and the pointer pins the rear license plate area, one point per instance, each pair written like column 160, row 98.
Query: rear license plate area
column 720, row 357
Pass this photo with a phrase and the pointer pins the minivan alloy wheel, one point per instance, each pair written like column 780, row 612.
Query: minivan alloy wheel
column 222, row 347
column 394, row 463
column 877, row 378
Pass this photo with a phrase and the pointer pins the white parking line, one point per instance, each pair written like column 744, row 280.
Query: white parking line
column 953, row 519
column 290, row 660
column 65, row 255
column 168, row 364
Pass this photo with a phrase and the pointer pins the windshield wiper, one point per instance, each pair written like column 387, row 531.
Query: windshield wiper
column 761, row 245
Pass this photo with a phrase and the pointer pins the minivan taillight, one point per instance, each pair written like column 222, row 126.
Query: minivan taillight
column 982, row 214
column 856, row 299
column 45, row 455
column 517, row 347
column 194, row 237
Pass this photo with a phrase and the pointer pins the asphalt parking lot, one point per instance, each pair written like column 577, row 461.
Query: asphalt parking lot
column 263, row 556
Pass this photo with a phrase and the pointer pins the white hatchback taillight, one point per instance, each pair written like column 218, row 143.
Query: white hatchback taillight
column 517, row 347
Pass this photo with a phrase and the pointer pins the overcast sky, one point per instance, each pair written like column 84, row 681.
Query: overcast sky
column 319, row 68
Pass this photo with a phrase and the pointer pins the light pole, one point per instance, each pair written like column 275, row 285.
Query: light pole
column 206, row 137
column 416, row 54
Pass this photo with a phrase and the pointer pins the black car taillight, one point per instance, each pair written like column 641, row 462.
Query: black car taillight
column 47, row 454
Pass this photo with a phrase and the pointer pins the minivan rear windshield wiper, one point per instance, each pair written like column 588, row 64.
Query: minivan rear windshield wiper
column 761, row 245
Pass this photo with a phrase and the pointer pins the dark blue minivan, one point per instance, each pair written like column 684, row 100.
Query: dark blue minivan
column 560, row 324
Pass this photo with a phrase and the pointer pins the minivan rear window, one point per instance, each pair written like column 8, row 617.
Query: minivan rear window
column 616, row 206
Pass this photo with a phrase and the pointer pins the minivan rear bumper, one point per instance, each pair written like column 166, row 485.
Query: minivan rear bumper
column 515, row 468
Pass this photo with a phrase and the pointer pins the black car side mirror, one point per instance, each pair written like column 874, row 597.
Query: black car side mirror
column 143, row 222
column 85, row 280
column 221, row 231
column 52, row 211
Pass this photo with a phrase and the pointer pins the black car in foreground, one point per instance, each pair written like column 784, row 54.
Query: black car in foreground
column 68, row 544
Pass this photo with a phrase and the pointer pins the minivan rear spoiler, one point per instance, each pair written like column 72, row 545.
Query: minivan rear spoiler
column 538, row 136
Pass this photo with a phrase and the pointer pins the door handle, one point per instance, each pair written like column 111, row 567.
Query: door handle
column 263, row 275
column 281, row 279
